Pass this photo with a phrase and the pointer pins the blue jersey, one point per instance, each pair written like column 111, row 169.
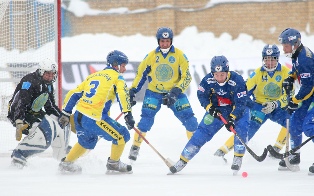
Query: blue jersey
column 232, row 94
column 303, row 71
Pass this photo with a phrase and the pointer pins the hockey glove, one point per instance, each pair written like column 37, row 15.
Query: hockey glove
column 129, row 120
column 287, row 84
column 172, row 96
column 132, row 96
column 230, row 123
column 269, row 107
column 64, row 119
column 214, row 112
column 292, row 107
column 20, row 126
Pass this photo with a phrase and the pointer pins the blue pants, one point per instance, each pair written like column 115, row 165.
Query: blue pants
column 181, row 109
column 209, row 127
column 301, row 121
column 88, row 131
column 258, row 118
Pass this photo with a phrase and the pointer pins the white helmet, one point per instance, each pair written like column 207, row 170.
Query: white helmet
column 48, row 65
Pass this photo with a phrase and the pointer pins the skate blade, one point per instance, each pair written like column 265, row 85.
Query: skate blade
column 64, row 172
column 235, row 172
column 113, row 172
column 293, row 168
column 310, row 174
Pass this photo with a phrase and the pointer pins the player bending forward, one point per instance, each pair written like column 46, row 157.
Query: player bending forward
column 93, row 99
column 35, row 92
column 269, row 98
column 221, row 92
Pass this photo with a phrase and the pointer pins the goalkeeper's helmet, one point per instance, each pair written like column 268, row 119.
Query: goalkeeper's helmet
column 219, row 64
column 290, row 36
column 270, row 56
column 116, row 57
column 48, row 65
column 164, row 33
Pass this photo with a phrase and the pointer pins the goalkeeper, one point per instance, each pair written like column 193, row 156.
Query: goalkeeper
column 269, row 98
column 32, row 110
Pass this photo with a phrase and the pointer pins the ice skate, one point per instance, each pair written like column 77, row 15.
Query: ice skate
column 220, row 153
column 134, row 151
column 178, row 166
column 294, row 160
column 236, row 164
column 118, row 167
column 311, row 170
column 69, row 168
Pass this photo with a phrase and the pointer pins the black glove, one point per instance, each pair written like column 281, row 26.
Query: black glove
column 214, row 112
column 129, row 120
column 64, row 119
column 230, row 123
column 172, row 96
column 132, row 96
column 287, row 84
column 291, row 107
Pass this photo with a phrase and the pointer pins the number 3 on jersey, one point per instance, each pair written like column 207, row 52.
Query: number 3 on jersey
column 93, row 84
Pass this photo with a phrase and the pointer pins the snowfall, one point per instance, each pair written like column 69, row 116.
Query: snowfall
column 205, row 174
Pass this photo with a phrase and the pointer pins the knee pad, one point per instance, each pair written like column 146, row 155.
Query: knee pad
column 191, row 123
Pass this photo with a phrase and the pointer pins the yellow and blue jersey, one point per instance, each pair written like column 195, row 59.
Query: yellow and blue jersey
column 266, row 86
column 94, row 96
column 163, row 72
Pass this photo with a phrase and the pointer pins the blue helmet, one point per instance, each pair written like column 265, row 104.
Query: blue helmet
column 164, row 33
column 116, row 57
column 219, row 64
column 271, row 50
column 290, row 36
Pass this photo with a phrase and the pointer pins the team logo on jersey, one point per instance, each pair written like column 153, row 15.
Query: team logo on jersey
column 211, row 81
column 232, row 83
column 164, row 72
column 305, row 75
column 200, row 88
column 241, row 94
column 172, row 59
column 264, row 78
column 272, row 90
column 278, row 78
column 221, row 92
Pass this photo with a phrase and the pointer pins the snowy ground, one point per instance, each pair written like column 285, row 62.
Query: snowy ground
column 204, row 175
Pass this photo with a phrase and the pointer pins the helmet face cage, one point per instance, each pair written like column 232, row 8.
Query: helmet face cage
column 48, row 65
column 116, row 57
column 290, row 36
column 164, row 33
column 219, row 64
column 273, row 52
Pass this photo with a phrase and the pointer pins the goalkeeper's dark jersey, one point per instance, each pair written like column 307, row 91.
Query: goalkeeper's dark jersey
column 31, row 95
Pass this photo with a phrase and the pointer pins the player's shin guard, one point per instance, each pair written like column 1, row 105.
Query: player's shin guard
column 189, row 134
column 116, row 151
column 228, row 145
column 189, row 152
column 76, row 152
column 281, row 139
column 137, row 141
